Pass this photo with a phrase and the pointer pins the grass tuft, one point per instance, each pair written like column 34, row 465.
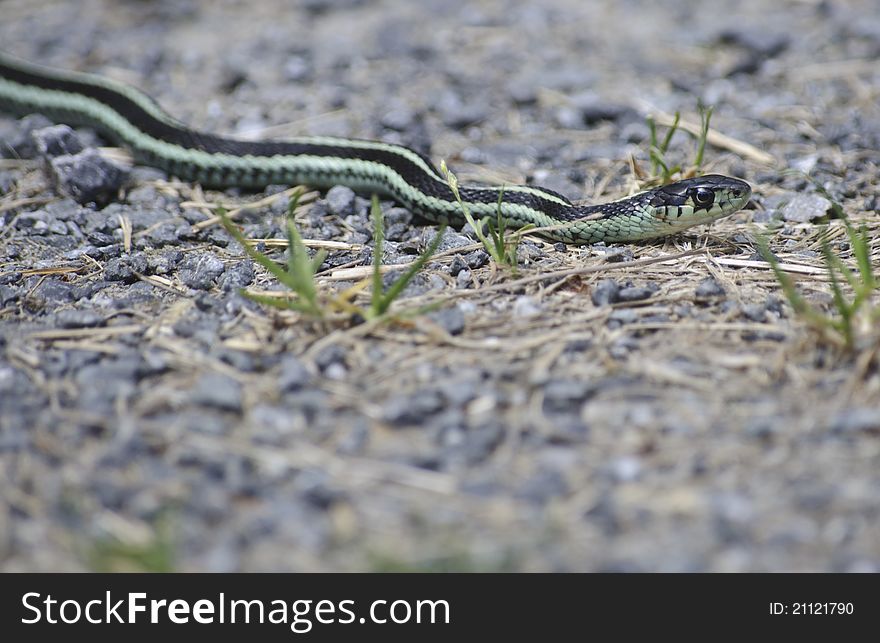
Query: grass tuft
column 662, row 170
column 299, row 274
column 501, row 245
column 855, row 313
column 381, row 299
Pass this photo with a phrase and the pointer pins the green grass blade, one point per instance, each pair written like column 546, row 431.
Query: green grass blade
column 378, row 242
column 834, row 266
column 669, row 134
column 658, row 162
column 302, row 273
column 653, row 144
column 797, row 303
column 271, row 267
column 397, row 287
column 705, row 117
column 858, row 240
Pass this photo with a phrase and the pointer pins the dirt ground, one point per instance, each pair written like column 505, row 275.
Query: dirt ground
column 644, row 407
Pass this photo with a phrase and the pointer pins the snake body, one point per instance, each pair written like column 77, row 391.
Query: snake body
column 131, row 118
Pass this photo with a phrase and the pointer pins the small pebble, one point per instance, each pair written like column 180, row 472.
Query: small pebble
column 525, row 306
column 56, row 140
column 755, row 312
column 218, row 391
column 200, row 270
column 87, row 176
column 637, row 293
column 412, row 409
column 625, row 469
column 463, row 280
column 125, row 268
column 606, row 292
column 544, row 486
column 451, row 319
column 294, row 374
column 623, row 316
column 566, row 396
column 340, row 201
column 856, row 420
column 78, row 319
column 804, row 208
column 709, row 287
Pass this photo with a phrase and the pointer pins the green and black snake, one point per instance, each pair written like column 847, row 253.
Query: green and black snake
column 131, row 118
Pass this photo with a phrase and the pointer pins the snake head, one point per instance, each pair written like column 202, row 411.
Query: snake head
column 698, row 200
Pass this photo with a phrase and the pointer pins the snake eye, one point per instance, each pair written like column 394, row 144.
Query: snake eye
column 703, row 197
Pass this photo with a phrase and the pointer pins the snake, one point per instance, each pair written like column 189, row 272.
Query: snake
column 132, row 119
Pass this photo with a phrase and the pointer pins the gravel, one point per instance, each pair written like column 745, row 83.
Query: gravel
column 412, row 409
column 450, row 319
column 219, row 392
column 803, row 208
column 57, row 140
column 341, row 201
column 709, row 287
column 87, row 176
column 78, row 319
column 606, row 292
column 637, row 293
column 201, row 270
column 655, row 418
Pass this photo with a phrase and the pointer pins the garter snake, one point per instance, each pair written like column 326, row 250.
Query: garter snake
column 131, row 118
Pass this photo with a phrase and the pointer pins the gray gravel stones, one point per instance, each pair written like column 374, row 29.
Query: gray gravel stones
column 57, row 140
column 756, row 312
column 709, row 287
column 87, row 176
column 525, row 306
column 587, row 109
column 457, row 113
column 294, row 374
column 400, row 118
column 19, row 142
column 330, row 356
column 78, row 319
column 200, row 270
column 166, row 234
column 340, row 201
column 238, row 275
column 163, row 263
column 636, row 430
column 412, row 409
column 803, row 208
column 51, row 291
column 637, row 293
column 566, row 396
column 758, row 46
column 856, row 420
column 464, row 279
column 218, row 391
column 101, row 385
column 544, row 486
column 471, row 445
column 606, row 292
column 609, row 291
column 450, row 319
column 622, row 316
column 126, row 268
